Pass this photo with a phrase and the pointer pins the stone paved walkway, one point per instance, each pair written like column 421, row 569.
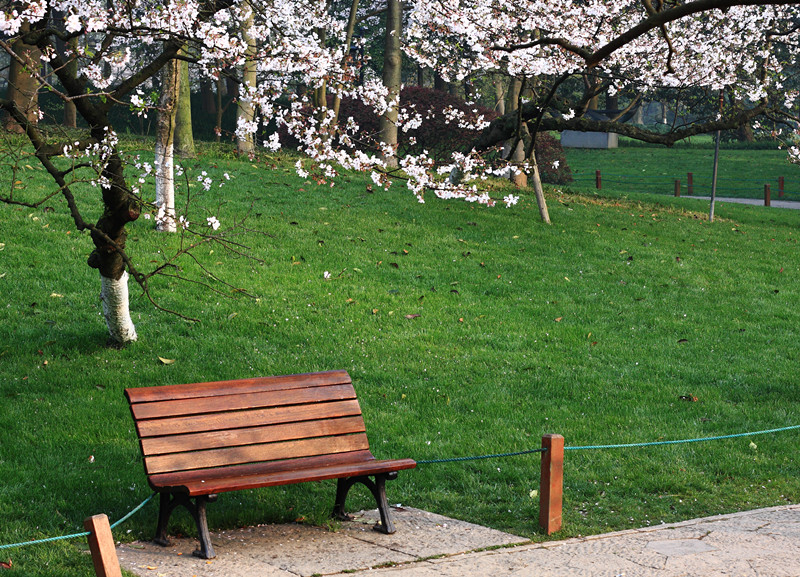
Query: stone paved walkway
column 760, row 543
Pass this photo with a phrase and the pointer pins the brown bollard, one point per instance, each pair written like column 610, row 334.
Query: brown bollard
column 101, row 544
column 597, row 180
column 551, row 484
column 677, row 187
column 767, row 194
column 780, row 187
column 689, row 183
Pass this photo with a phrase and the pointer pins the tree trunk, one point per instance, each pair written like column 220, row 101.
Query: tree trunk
column 499, row 94
column 538, row 190
column 348, row 42
column 70, row 112
column 218, row 124
column 207, row 97
column 23, row 88
column 392, row 68
column 184, row 137
column 440, row 83
column 517, row 156
column 165, row 134
column 245, row 112
column 114, row 295
column 109, row 237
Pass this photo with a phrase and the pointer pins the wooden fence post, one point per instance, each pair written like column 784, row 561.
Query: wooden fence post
column 597, row 182
column 780, row 187
column 689, row 183
column 767, row 200
column 677, row 187
column 551, row 484
column 101, row 544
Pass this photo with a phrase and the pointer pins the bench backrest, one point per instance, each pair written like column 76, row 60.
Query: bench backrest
column 225, row 423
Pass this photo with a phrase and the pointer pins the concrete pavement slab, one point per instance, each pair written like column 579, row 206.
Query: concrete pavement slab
column 297, row 549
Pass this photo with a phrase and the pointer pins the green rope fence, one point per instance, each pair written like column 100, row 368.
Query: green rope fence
column 454, row 460
column 77, row 535
column 681, row 441
column 618, row 446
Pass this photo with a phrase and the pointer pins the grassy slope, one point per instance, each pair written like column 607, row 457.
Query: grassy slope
column 593, row 328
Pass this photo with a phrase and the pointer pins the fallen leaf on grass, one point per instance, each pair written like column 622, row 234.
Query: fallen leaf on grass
column 689, row 398
column 6, row 565
column 559, row 319
column 56, row 296
column 411, row 316
column 166, row 361
column 683, row 340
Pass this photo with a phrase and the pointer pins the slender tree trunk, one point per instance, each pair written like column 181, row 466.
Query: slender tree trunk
column 392, row 68
column 420, row 75
column 245, row 112
column 23, row 88
column 70, row 112
column 165, row 134
column 218, row 125
column 207, row 97
column 538, row 190
column 440, row 83
column 499, row 94
column 351, row 27
column 516, row 156
column 184, row 137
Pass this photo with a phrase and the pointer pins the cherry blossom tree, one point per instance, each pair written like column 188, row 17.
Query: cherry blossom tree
column 746, row 47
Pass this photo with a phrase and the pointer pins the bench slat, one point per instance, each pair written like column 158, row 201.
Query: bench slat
column 252, row 436
column 251, row 418
column 219, row 388
column 255, row 453
column 234, row 402
column 162, row 481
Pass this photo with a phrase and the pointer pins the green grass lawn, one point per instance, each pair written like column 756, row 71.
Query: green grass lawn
column 630, row 168
column 597, row 328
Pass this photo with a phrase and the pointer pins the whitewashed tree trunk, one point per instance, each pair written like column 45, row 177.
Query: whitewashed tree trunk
column 114, row 294
column 165, row 134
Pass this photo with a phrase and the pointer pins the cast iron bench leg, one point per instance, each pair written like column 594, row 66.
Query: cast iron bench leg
column 197, row 509
column 378, row 490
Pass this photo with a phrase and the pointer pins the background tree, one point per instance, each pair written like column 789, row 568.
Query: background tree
column 184, row 135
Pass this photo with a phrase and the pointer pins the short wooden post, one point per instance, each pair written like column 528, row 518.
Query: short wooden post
column 767, row 200
column 597, row 180
column 551, row 484
column 780, row 187
column 677, row 187
column 689, row 183
column 101, row 544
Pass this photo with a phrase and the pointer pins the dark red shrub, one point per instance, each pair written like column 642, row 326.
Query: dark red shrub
column 552, row 161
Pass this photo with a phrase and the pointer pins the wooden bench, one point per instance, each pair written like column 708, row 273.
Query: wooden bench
column 202, row 439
